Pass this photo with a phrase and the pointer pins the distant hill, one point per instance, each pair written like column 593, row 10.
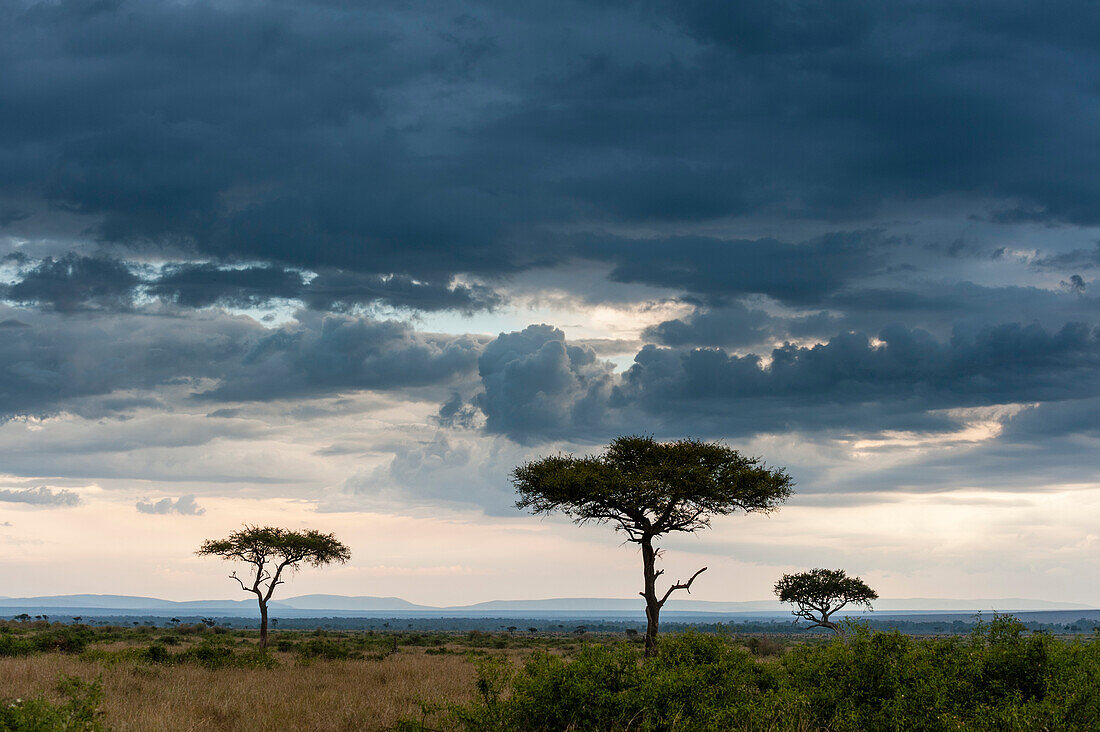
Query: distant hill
column 1004, row 604
column 116, row 602
column 320, row 605
column 917, row 604
column 574, row 604
column 342, row 602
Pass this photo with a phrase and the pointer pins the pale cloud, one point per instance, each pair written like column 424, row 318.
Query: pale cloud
column 40, row 496
column 184, row 505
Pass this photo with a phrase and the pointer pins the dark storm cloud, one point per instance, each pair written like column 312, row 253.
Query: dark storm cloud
column 1075, row 259
column 74, row 283
column 201, row 285
column 736, row 326
column 910, row 370
column 45, row 367
column 534, row 390
column 936, row 307
column 732, row 326
column 456, row 413
column 334, row 353
column 447, row 139
column 718, row 269
column 345, row 290
column 417, row 156
column 71, row 363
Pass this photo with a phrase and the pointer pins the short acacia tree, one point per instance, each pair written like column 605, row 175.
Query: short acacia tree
column 272, row 552
column 648, row 489
column 820, row 593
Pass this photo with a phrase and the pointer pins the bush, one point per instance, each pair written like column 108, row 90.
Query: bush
column 156, row 653
column 79, row 712
column 15, row 645
column 64, row 639
column 328, row 650
column 214, row 655
column 696, row 682
column 1000, row 678
column 763, row 646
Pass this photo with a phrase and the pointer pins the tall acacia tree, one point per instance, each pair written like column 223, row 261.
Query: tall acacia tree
column 648, row 489
column 820, row 593
column 272, row 552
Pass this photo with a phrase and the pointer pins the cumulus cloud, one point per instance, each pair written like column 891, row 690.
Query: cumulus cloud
column 537, row 385
column 184, row 505
column 61, row 364
column 455, row 412
column 907, row 373
column 340, row 353
column 732, row 326
column 40, row 496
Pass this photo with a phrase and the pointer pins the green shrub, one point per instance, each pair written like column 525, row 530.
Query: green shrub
column 156, row 653
column 62, row 639
column 328, row 650
column 1000, row 678
column 215, row 654
column 80, row 711
column 15, row 645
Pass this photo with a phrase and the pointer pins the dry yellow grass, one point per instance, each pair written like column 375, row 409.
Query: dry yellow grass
column 325, row 695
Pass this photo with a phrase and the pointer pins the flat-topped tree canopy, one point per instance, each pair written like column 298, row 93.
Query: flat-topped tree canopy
column 647, row 489
column 261, row 544
column 819, row 593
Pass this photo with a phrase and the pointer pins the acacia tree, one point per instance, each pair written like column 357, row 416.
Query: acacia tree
column 648, row 489
column 820, row 593
column 271, row 552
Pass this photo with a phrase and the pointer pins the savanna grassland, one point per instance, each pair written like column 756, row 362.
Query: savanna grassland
column 193, row 677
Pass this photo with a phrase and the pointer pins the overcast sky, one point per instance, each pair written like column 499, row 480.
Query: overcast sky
column 343, row 265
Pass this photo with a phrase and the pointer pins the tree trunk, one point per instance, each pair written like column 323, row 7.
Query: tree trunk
column 263, row 624
column 652, row 604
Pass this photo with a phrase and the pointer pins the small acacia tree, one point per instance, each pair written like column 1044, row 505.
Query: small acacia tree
column 272, row 552
column 648, row 489
column 820, row 593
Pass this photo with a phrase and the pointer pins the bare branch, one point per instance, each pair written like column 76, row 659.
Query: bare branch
column 242, row 584
column 681, row 586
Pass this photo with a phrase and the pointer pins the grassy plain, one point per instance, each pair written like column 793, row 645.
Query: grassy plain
column 1001, row 676
column 354, row 694
column 183, row 679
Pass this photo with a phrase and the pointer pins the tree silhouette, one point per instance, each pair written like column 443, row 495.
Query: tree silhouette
column 271, row 552
column 820, row 593
column 648, row 489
